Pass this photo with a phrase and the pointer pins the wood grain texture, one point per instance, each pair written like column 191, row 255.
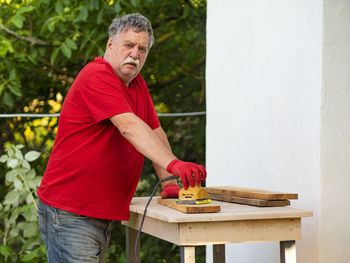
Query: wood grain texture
column 218, row 232
column 229, row 212
column 131, row 235
column 250, row 193
column 189, row 209
column 248, row 201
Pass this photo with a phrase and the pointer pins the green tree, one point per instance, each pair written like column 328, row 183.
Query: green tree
column 45, row 43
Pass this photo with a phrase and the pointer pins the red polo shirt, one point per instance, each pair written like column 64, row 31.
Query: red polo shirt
column 93, row 170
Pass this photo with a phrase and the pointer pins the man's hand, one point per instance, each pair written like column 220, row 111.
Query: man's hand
column 186, row 171
column 170, row 190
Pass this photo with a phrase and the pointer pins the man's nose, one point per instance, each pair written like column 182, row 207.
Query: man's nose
column 134, row 52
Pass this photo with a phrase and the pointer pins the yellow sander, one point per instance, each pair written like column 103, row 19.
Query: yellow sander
column 193, row 196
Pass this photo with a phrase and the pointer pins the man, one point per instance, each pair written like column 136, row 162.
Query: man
column 107, row 125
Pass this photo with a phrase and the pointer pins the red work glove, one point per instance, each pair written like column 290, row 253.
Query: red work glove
column 170, row 190
column 186, row 171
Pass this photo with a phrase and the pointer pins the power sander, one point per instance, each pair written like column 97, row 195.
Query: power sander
column 193, row 196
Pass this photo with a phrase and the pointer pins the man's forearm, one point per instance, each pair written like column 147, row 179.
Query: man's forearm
column 162, row 173
column 144, row 139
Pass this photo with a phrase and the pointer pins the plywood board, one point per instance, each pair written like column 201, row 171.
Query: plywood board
column 250, row 193
column 189, row 209
column 228, row 212
column 248, row 201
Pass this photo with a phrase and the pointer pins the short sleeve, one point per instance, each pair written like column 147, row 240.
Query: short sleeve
column 104, row 96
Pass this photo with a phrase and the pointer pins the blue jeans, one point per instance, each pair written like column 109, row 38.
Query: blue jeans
column 73, row 238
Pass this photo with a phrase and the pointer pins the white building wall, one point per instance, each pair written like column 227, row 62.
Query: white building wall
column 278, row 114
column 335, row 134
column 264, row 80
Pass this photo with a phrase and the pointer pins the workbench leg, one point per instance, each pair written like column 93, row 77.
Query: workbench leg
column 131, row 235
column 219, row 253
column 288, row 251
column 188, row 254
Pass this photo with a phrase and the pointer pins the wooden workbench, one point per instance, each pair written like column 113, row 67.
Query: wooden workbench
column 235, row 223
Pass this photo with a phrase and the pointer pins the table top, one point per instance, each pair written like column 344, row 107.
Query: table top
column 229, row 212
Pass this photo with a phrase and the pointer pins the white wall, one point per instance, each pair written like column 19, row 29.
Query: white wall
column 335, row 134
column 264, row 80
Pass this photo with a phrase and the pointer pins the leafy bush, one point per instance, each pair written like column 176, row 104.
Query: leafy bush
column 19, row 228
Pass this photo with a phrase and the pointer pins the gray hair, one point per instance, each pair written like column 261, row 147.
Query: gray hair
column 138, row 22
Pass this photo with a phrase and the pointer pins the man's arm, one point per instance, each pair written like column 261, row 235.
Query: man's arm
column 144, row 139
column 162, row 173
column 149, row 143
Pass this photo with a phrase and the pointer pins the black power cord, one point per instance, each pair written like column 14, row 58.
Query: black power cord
column 144, row 213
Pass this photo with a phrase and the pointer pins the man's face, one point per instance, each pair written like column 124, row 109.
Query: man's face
column 127, row 54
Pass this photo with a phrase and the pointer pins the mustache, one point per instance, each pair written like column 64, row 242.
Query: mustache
column 131, row 60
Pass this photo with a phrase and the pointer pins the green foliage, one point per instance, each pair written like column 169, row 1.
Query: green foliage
column 18, row 210
column 43, row 46
column 42, row 38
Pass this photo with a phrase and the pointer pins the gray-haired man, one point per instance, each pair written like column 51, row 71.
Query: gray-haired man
column 107, row 125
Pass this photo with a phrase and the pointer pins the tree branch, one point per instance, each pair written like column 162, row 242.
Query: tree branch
column 169, row 19
column 33, row 41
column 166, row 83
column 174, row 79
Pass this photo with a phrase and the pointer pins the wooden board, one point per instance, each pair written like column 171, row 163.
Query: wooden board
column 189, row 209
column 248, row 201
column 250, row 193
column 228, row 212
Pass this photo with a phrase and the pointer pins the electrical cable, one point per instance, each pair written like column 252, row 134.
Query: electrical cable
column 144, row 213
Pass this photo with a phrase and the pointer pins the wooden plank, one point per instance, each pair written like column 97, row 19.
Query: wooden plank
column 130, row 245
column 219, row 253
column 155, row 227
column 248, row 201
column 228, row 211
column 220, row 232
column 226, row 232
column 188, row 254
column 250, row 193
column 288, row 253
column 189, row 209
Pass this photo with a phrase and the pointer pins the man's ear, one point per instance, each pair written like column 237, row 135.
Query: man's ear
column 109, row 43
